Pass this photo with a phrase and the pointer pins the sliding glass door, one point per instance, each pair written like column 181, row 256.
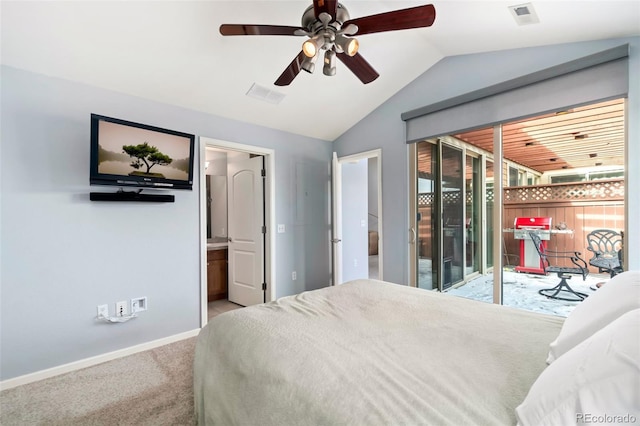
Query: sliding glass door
column 488, row 214
column 453, row 219
column 448, row 219
column 473, row 197
column 428, row 247
column 455, row 213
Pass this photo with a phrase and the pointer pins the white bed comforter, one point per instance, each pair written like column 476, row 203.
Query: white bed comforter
column 369, row 353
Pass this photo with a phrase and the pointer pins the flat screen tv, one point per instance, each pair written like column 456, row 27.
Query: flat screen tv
column 130, row 154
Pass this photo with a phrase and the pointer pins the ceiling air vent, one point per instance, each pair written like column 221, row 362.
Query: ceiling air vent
column 524, row 14
column 264, row 94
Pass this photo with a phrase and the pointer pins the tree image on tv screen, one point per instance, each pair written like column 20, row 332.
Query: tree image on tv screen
column 146, row 155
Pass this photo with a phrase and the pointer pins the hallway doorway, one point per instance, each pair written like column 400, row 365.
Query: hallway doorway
column 357, row 240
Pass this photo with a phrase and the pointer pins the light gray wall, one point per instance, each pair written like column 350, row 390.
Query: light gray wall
column 355, row 239
column 217, row 163
column 216, row 172
column 455, row 76
column 62, row 255
column 218, row 209
column 373, row 193
column 307, row 225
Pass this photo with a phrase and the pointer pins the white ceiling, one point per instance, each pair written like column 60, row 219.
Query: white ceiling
column 172, row 52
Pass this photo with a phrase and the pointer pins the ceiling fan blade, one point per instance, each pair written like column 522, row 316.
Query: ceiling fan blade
column 403, row 19
column 291, row 71
column 239, row 29
column 359, row 66
column 328, row 6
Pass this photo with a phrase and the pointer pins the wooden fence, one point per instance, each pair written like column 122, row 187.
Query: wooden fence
column 580, row 207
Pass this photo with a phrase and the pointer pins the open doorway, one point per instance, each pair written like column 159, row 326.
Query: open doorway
column 566, row 167
column 236, row 210
column 357, row 217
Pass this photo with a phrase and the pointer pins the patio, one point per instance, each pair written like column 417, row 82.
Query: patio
column 520, row 291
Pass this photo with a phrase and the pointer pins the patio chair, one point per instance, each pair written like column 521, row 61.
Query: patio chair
column 606, row 246
column 510, row 260
column 562, row 291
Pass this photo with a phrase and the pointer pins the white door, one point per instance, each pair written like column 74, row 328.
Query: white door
column 336, row 237
column 246, row 231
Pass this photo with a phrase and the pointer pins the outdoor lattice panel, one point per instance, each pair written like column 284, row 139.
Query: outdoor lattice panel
column 451, row 197
column 583, row 191
column 425, row 199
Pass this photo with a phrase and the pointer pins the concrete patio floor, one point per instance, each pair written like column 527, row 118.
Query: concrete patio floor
column 520, row 290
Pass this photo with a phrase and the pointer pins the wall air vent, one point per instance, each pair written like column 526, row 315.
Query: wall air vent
column 524, row 14
column 264, row 94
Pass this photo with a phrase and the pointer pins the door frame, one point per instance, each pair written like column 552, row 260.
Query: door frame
column 336, row 201
column 335, row 240
column 412, row 190
column 270, row 216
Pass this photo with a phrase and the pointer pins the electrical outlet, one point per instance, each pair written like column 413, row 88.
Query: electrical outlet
column 294, row 275
column 139, row 304
column 280, row 228
column 103, row 311
column 355, row 263
column 121, row 309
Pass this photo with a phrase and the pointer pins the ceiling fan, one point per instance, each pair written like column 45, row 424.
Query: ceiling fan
column 330, row 29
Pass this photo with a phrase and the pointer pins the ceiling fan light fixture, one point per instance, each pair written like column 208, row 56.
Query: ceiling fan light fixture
column 311, row 47
column 329, row 63
column 348, row 45
column 309, row 64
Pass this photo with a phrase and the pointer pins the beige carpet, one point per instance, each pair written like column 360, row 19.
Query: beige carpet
column 154, row 387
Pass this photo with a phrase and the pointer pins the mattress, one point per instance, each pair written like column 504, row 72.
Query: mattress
column 369, row 352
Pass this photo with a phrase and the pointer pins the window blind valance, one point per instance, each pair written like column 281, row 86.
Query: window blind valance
column 601, row 76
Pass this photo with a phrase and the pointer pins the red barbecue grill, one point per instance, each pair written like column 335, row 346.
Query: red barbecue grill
column 529, row 259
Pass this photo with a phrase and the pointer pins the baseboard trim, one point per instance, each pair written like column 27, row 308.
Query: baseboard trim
column 89, row 362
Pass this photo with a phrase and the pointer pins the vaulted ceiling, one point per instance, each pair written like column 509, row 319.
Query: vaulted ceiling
column 172, row 51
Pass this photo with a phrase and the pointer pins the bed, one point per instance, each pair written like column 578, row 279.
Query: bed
column 370, row 352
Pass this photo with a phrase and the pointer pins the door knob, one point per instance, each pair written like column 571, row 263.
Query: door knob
column 336, row 240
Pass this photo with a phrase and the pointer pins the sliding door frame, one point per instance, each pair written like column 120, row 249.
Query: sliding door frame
column 413, row 263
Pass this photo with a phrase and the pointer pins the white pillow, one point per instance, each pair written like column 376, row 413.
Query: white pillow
column 618, row 296
column 598, row 381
